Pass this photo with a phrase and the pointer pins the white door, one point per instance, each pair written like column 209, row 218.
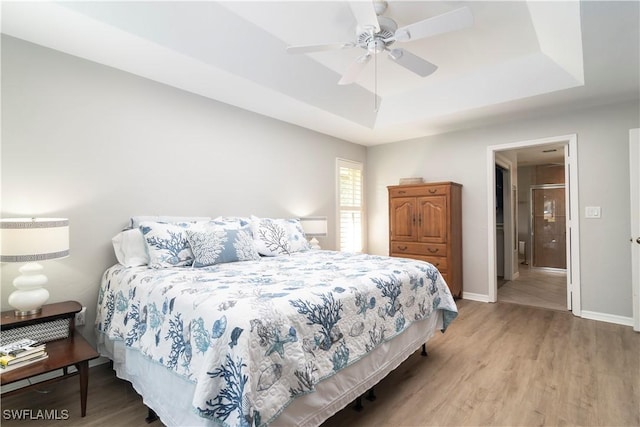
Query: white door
column 634, row 167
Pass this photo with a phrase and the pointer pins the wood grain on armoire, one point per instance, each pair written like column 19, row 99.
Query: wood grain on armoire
column 425, row 223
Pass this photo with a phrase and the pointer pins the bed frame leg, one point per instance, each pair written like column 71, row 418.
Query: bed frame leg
column 424, row 350
column 358, row 406
column 151, row 416
column 371, row 395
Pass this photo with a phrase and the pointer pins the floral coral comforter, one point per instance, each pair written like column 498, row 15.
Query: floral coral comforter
column 254, row 335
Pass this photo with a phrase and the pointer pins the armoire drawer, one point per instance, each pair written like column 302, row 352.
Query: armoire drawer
column 420, row 191
column 424, row 249
column 438, row 262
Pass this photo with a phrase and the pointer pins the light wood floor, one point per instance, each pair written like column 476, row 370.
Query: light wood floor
column 498, row 364
column 536, row 287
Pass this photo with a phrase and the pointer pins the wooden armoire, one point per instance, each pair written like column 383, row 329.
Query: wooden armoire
column 425, row 223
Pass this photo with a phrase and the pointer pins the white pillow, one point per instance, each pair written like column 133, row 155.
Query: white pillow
column 227, row 221
column 130, row 248
column 278, row 236
column 136, row 220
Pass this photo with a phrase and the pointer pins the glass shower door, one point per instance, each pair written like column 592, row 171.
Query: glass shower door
column 548, row 226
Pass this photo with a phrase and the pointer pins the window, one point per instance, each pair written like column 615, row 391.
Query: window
column 350, row 205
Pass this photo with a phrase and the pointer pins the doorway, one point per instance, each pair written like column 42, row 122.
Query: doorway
column 542, row 279
column 571, row 275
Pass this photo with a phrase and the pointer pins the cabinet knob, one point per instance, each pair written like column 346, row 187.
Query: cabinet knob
column 402, row 248
column 432, row 250
column 433, row 191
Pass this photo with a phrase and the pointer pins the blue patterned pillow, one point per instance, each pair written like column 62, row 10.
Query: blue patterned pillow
column 167, row 244
column 278, row 236
column 213, row 244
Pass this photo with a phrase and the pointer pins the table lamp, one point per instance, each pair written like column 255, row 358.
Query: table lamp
column 313, row 227
column 30, row 240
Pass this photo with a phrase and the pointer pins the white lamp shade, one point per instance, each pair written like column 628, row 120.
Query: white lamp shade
column 314, row 226
column 33, row 239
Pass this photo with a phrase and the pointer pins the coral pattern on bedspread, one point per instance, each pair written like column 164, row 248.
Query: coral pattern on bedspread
column 254, row 335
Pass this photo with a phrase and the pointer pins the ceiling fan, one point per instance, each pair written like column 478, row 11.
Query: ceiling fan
column 377, row 33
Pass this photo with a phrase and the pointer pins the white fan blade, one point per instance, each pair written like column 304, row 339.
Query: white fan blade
column 365, row 15
column 450, row 21
column 412, row 62
column 319, row 47
column 354, row 69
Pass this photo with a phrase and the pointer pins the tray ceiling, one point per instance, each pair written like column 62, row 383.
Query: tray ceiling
column 518, row 58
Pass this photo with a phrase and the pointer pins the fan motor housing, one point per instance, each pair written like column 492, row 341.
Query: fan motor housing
column 375, row 43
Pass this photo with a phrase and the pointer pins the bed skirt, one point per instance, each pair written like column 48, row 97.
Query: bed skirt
column 152, row 380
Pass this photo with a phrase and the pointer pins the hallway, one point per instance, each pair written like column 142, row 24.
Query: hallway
column 536, row 287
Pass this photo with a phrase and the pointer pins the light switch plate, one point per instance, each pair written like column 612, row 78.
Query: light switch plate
column 592, row 212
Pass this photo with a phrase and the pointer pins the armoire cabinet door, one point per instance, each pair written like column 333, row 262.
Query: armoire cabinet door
column 403, row 219
column 432, row 219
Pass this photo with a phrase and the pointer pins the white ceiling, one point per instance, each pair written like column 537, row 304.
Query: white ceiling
column 518, row 58
column 539, row 155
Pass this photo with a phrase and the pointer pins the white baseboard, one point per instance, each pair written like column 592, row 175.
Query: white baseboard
column 591, row 315
column 475, row 297
column 609, row 318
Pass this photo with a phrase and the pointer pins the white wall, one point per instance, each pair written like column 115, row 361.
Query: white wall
column 461, row 157
column 97, row 145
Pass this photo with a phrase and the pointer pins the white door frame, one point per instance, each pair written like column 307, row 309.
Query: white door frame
column 573, row 217
column 634, row 172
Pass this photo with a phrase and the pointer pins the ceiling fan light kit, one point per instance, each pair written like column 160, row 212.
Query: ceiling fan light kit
column 379, row 7
column 377, row 33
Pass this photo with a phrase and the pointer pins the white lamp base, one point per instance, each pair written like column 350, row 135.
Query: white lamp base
column 29, row 296
column 314, row 243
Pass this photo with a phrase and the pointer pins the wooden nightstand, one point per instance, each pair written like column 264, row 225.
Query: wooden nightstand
column 72, row 350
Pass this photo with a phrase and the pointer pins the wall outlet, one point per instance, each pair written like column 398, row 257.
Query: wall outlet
column 81, row 317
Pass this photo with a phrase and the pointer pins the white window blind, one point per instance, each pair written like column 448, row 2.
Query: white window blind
column 350, row 205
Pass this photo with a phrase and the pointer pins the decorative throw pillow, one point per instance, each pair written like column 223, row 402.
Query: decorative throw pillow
column 213, row 244
column 167, row 244
column 274, row 237
column 130, row 248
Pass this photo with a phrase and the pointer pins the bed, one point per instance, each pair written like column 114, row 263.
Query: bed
column 286, row 339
